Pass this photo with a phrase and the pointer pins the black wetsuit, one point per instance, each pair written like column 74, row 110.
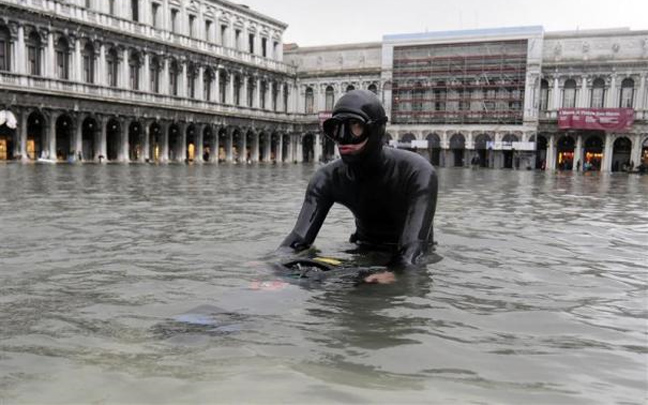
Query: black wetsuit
column 392, row 194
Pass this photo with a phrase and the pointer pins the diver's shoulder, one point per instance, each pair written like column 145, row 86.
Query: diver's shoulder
column 412, row 159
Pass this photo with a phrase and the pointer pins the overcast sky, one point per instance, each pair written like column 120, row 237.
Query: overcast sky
column 327, row 22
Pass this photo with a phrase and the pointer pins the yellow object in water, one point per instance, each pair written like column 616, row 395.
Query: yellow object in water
column 328, row 260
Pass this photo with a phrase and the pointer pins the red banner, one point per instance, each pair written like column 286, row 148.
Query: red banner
column 603, row 119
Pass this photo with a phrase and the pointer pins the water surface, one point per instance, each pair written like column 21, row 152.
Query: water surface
column 540, row 296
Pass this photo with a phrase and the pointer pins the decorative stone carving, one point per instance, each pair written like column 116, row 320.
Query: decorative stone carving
column 616, row 47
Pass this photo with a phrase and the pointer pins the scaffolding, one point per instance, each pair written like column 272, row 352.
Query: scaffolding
column 461, row 83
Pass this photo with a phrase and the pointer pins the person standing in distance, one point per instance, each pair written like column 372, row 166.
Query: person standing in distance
column 392, row 193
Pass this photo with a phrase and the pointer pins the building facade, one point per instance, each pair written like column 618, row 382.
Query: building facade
column 143, row 80
column 497, row 97
column 210, row 80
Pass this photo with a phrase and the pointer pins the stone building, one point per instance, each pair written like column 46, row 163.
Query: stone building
column 144, row 80
column 493, row 97
column 210, row 80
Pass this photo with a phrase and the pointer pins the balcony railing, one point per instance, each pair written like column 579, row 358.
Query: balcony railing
column 122, row 25
column 20, row 83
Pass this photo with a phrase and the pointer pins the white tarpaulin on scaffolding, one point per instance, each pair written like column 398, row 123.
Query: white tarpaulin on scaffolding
column 7, row 118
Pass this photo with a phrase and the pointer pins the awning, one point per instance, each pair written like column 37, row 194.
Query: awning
column 7, row 118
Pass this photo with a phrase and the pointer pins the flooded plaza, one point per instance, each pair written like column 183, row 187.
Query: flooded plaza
column 540, row 295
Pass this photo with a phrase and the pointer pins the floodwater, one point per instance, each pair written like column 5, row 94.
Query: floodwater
column 540, row 295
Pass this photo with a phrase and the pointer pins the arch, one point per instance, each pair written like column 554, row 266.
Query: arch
column 190, row 143
column 208, row 79
column 544, row 95
column 598, row 93
column 135, row 141
column 329, row 96
column 309, row 106
column 222, row 144
column 308, row 143
column 192, row 77
column 155, row 141
column 36, row 146
column 134, row 67
column 434, row 148
column 569, row 94
column 373, row 88
column 62, row 52
column 89, row 133
column 209, row 143
column 175, row 143
column 644, row 155
column 34, row 53
column 510, row 138
column 405, row 141
column 621, row 153
column 350, row 88
column 155, row 68
column 112, row 65
column 593, row 152
column 5, row 48
column 458, row 147
column 541, row 152
column 88, row 56
column 565, row 150
column 483, row 153
column 64, row 138
column 174, row 74
column 626, row 99
column 8, row 138
column 113, row 140
column 508, row 152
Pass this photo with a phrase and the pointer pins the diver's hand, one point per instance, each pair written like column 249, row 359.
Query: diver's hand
column 386, row 277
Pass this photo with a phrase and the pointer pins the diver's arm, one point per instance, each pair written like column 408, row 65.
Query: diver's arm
column 417, row 232
column 317, row 203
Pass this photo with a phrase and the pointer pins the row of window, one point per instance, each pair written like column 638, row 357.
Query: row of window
column 598, row 93
column 63, row 55
column 329, row 97
column 210, row 33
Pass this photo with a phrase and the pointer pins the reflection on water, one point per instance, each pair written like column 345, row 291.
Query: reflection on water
column 132, row 284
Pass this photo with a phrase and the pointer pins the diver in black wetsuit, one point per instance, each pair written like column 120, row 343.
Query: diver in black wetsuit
column 392, row 193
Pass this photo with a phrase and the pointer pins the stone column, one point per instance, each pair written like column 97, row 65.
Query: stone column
column 24, row 116
column 255, row 148
column 300, row 148
column 280, row 102
column 183, row 142
column 611, row 101
column 200, row 129
column 578, row 154
column 101, row 77
column 182, row 81
column 200, row 84
column 257, row 94
column 556, row 94
column 146, row 76
column 78, row 135
column 51, row 135
column 146, row 153
column 124, row 71
column 268, row 96
column 317, row 147
column 124, row 155
column 49, row 68
column 102, row 150
column 77, row 71
column 242, row 152
column 550, row 163
column 289, row 149
column 216, row 94
column 164, row 155
column 230, row 89
column 641, row 97
column 18, row 54
column 164, row 80
column 635, row 152
column 229, row 155
column 606, row 163
column 583, row 96
column 214, row 155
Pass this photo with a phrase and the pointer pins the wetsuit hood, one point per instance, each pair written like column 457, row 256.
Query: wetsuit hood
column 366, row 105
